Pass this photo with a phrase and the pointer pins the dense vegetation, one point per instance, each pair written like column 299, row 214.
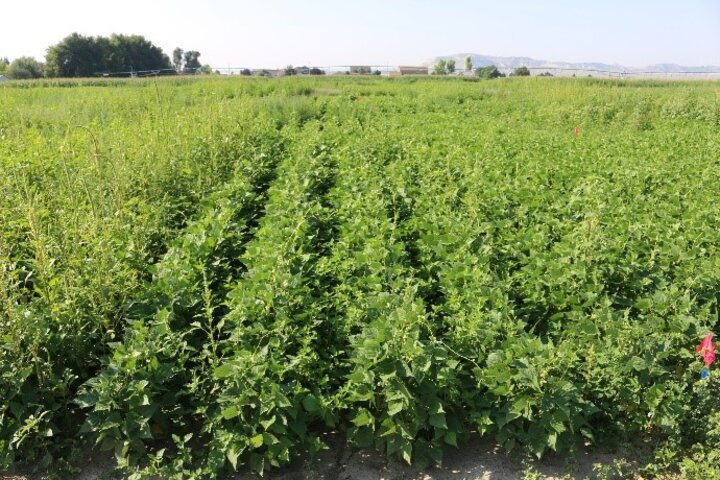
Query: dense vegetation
column 117, row 56
column 208, row 274
column 80, row 56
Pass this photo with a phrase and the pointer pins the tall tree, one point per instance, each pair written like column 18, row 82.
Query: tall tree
column 80, row 56
column 521, row 72
column 132, row 53
column 450, row 66
column 191, row 60
column 468, row 64
column 24, row 68
column 440, row 68
column 177, row 58
column 75, row 56
column 489, row 72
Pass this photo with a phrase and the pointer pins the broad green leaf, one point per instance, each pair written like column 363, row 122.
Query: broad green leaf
column 256, row 441
column 362, row 419
column 223, row 371
column 232, row 454
column 438, row 421
column 394, row 408
column 310, row 403
column 230, row 412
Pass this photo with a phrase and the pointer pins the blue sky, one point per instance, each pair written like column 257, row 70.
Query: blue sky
column 275, row 33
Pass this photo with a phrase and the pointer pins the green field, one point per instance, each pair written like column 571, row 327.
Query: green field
column 208, row 274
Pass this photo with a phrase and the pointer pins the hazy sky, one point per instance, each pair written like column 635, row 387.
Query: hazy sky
column 275, row 33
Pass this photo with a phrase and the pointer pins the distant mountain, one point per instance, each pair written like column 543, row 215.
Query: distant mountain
column 507, row 64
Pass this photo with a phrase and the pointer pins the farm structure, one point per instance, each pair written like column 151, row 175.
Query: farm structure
column 410, row 70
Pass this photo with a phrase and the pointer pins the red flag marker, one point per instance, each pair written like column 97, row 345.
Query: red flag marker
column 707, row 350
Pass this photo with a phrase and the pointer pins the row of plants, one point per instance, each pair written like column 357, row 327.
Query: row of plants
column 86, row 214
column 194, row 385
column 209, row 276
column 574, row 310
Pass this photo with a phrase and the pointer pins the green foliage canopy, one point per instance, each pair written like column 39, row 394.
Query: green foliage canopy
column 450, row 66
column 24, row 68
column 294, row 261
column 444, row 67
column 81, row 56
column 191, row 61
column 440, row 68
column 177, row 59
column 488, row 72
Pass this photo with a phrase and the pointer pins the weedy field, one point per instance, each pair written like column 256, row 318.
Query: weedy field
column 209, row 275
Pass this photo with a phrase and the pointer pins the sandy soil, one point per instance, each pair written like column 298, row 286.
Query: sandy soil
column 477, row 460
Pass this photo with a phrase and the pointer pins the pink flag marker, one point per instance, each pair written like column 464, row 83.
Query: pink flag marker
column 707, row 349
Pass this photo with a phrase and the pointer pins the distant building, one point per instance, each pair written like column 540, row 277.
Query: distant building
column 267, row 73
column 360, row 70
column 403, row 71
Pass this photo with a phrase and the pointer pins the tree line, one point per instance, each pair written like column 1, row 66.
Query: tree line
column 119, row 55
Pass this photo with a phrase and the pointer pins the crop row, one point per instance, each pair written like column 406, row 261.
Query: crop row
column 402, row 262
column 70, row 279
